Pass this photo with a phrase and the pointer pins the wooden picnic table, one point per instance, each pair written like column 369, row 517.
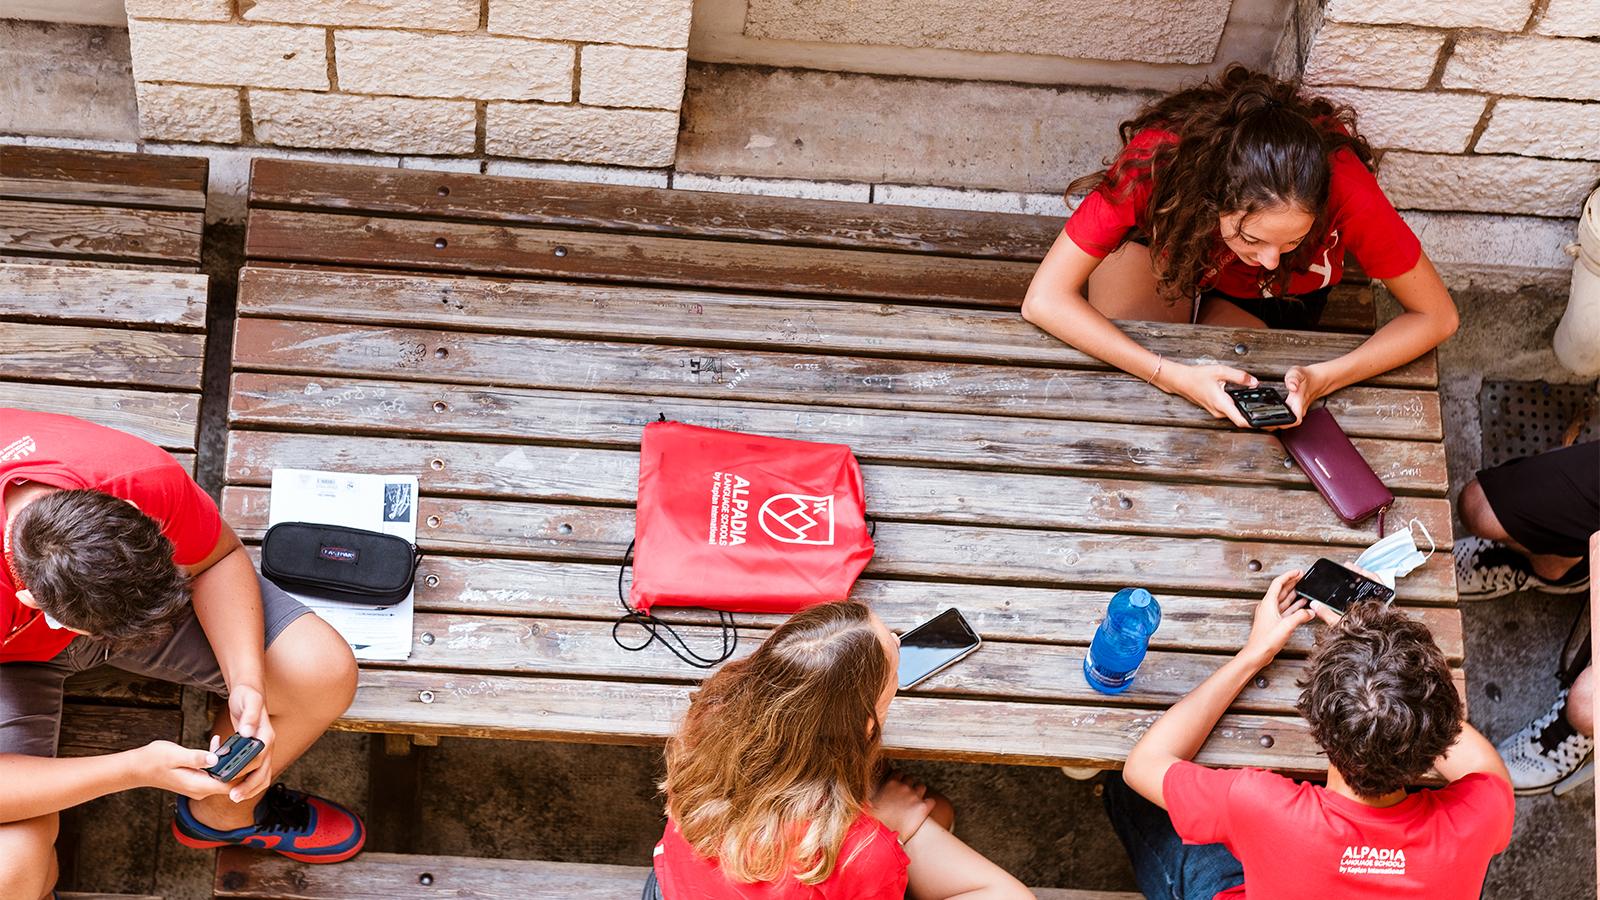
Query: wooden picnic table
column 506, row 340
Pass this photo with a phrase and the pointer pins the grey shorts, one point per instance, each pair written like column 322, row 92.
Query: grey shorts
column 31, row 693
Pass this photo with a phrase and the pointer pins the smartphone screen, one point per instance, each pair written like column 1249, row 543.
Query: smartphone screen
column 933, row 645
column 1336, row 587
column 1261, row 406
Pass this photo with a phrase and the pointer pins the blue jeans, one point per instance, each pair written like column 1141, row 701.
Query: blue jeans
column 1165, row 867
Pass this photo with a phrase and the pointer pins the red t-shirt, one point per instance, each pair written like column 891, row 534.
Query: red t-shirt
column 1361, row 221
column 871, row 866
column 1303, row 840
column 70, row 453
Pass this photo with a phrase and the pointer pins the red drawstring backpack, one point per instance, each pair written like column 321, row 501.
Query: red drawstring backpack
column 741, row 523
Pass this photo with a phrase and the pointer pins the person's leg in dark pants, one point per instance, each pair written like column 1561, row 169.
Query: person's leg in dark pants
column 1165, row 867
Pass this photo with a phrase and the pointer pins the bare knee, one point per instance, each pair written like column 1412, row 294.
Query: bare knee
column 1477, row 515
column 314, row 664
column 1580, row 703
column 28, row 858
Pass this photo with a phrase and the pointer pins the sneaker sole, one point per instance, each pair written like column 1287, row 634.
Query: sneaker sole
column 309, row 858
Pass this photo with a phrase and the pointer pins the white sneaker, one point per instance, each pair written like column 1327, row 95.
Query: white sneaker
column 1546, row 751
column 1489, row 569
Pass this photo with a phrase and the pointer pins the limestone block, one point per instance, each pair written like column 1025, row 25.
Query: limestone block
column 1494, row 252
column 443, row 164
column 1373, row 56
column 1504, row 15
column 1493, row 184
column 1543, row 128
column 280, row 56
column 624, row 137
column 1154, row 31
column 627, row 76
column 765, row 123
column 774, row 187
column 432, row 15
column 984, row 201
column 477, row 66
column 383, row 124
column 72, row 81
column 1566, row 68
column 181, row 112
column 1412, row 120
column 1573, row 18
column 555, row 171
column 192, row 10
column 656, row 23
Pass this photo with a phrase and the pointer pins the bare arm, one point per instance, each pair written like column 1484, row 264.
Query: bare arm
column 943, row 866
column 1183, row 729
column 1471, row 753
column 1429, row 319
column 37, row 785
column 1057, row 301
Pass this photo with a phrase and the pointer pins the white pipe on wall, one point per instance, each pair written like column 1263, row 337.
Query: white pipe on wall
column 1577, row 339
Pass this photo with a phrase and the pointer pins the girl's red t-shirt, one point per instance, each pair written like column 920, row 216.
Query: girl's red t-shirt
column 871, row 866
column 1361, row 221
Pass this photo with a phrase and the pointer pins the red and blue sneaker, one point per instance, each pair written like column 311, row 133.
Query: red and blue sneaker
column 302, row 827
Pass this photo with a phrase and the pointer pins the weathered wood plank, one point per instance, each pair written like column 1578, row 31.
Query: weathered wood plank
column 106, row 232
column 105, row 355
column 739, row 217
column 126, row 297
column 636, row 312
column 954, row 552
column 89, row 730
column 598, row 712
column 1351, row 309
column 93, row 176
column 893, row 492
column 74, row 895
column 347, row 406
column 105, row 684
column 168, row 420
column 470, row 247
column 383, row 876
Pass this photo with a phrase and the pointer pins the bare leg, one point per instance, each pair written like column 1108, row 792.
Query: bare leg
column 311, row 678
column 28, row 858
column 1220, row 312
column 1123, row 286
column 1580, row 703
column 942, row 865
column 1479, row 517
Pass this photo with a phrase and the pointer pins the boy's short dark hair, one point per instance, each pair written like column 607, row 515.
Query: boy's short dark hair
column 97, row 564
column 1380, row 699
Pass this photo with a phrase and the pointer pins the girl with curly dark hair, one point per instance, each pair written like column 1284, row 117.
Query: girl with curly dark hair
column 1234, row 203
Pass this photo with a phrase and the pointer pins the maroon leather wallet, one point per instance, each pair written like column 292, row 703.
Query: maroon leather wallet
column 1334, row 465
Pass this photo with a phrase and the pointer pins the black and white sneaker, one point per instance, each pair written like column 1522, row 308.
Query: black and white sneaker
column 1546, row 752
column 1489, row 569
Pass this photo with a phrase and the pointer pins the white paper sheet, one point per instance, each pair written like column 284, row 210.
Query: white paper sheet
column 386, row 503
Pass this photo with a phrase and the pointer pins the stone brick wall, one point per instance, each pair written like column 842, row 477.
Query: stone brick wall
column 584, row 81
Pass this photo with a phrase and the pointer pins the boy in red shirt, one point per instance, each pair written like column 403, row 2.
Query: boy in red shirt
column 1382, row 705
column 114, row 556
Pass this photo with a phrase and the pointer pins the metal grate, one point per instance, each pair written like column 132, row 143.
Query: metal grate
column 1522, row 418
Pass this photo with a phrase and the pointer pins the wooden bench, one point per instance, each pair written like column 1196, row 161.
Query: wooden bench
column 507, row 339
column 85, row 207
column 380, row 876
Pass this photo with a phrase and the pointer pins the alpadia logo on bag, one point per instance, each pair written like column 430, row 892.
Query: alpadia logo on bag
column 786, row 518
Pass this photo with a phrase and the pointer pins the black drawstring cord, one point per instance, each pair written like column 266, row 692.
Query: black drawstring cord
column 661, row 631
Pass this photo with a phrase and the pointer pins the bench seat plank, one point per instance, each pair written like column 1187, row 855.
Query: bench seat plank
column 384, row 876
column 138, row 299
column 349, row 406
column 113, row 355
column 461, row 304
column 164, row 418
column 92, row 176
column 101, row 232
column 955, row 552
column 91, row 730
column 902, row 493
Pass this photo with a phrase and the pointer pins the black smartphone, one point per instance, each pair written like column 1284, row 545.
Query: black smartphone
column 1261, row 406
column 1336, row 587
column 933, row 645
column 234, row 754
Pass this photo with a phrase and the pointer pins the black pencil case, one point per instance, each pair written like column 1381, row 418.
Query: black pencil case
column 335, row 563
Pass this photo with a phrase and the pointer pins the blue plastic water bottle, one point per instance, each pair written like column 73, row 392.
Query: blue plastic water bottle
column 1121, row 641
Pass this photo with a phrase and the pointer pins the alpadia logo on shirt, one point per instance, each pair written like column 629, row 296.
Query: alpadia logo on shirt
column 1372, row 861
column 17, row 449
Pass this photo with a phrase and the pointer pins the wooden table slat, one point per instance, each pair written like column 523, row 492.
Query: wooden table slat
column 91, row 730
column 105, row 232
column 115, row 355
column 91, row 176
column 167, row 419
column 130, row 298
column 354, row 406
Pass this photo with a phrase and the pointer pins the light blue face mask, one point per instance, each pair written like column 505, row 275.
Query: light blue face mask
column 1395, row 556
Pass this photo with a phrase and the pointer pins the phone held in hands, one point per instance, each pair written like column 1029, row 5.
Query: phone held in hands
column 934, row 645
column 1262, row 407
column 235, row 753
column 1337, row 587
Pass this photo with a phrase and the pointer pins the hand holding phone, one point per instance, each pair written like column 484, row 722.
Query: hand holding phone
column 933, row 645
column 1262, row 407
column 234, row 754
column 1335, row 588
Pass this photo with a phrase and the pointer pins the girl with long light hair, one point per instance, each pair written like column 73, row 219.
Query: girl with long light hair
column 773, row 786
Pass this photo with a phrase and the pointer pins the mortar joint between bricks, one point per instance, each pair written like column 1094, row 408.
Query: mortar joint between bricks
column 333, row 71
column 1446, row 50
column 1482, row 126
column 1540, row 7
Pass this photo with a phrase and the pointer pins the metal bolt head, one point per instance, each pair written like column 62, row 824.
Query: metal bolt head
column 436, row 464
column 1253, row 565
column 563, row 528
column 425, row 696
column 433, row 521
column 440, row 243
column 1125, row 503
column 427, row 637
column 1240, row 349
column 441, row 353
column 431, row 580
column 561, row 251
column 425, row 879
column 1288, row 462
column 439, row 406
column 1261, row 680
column 1266, row 740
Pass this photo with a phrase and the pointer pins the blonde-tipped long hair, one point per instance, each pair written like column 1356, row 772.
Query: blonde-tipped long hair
column 778, row 753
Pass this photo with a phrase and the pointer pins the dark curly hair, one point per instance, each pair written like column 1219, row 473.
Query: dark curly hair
column 97, row 564
column 1245, row 142
column 1380, row 699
